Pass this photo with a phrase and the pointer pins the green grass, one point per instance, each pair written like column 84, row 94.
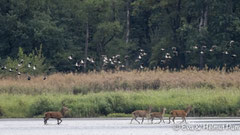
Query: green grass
column 206, row 102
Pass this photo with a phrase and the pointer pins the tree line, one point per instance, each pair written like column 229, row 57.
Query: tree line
column 85, row 35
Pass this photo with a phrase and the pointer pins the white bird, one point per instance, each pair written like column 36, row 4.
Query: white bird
column 117, row 55
column 34, row 67
column 234, row 55
column 168, row 56
column 195, row 47
column 225, row 52
column 76, row 64
column 70, row 57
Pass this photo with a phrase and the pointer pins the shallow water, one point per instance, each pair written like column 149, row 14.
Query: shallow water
column 114, row 126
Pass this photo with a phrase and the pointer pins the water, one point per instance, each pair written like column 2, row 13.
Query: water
column 114, row 126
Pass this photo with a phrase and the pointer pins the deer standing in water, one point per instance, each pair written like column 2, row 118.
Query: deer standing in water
column 140, row 113
column 159, row 115
column 55, row 115
column 180, row 113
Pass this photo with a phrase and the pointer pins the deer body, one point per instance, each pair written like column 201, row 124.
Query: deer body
column 180, row 113
column 140, row 113
column 158, row 115
column 56, row 115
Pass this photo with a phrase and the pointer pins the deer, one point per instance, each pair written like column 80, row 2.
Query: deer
column 180, row 113
column 159, row 115
column 55, row 115
column 140, row 113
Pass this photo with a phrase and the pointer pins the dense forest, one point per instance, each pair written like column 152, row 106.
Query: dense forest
column 86, row 35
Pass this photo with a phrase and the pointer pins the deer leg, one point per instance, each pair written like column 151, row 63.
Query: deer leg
column 169, row 120
column 173, row 119
column 183, row 119
column 45, row 120
column 135, row 118
column 131, row 120
column 60, row 121
column 152, row 120
column 142, row 120
column 160, row 121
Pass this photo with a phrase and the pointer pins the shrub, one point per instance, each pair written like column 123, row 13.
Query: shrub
column 203, row 85
column 42, row 105
column 119, row 115
column 80, row 90
column 201, row 109
column 103, row 107
column 220, row 105
column 1, row 111
column 83, row 109
column 36, row 58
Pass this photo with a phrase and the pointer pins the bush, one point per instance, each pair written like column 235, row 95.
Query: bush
column 1, row 111
column 201, row 109
column 36, row 59
column 83, row 109
column 220, row 105
column 42, row 105
column 203, row 85
column 80, row 90
column 119, row 115
column 103, row 107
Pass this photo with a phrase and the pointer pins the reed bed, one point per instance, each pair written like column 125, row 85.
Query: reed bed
column 121, row 80
column 205, row 102
column 94, row 94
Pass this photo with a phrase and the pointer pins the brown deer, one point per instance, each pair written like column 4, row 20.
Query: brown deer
column 55, row 115
column 159, row 115
column 140, row 113
column 180, row 113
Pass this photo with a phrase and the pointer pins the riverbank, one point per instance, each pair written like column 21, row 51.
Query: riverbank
column 205, row 102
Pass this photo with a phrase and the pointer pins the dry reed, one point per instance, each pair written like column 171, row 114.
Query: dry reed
column 121, row 80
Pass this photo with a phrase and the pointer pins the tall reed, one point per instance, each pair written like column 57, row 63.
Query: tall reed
column 121, row 80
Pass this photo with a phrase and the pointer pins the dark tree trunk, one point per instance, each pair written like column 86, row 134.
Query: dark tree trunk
column 203, row 25
column 86, row 47
column 128, row 22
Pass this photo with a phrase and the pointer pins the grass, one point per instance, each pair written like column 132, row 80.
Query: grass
column 121, row 80
column 211, row 92
column 206, row 102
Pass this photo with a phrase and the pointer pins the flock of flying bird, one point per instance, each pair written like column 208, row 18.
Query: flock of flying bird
column 116, row 63
column 201, row 49
column 19, row 65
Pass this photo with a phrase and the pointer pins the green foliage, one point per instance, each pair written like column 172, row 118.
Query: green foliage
column 21, row 63
column 205, row 102
column 1, row 112
column 60, row 27
column 114, row 115
column 42, row 105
